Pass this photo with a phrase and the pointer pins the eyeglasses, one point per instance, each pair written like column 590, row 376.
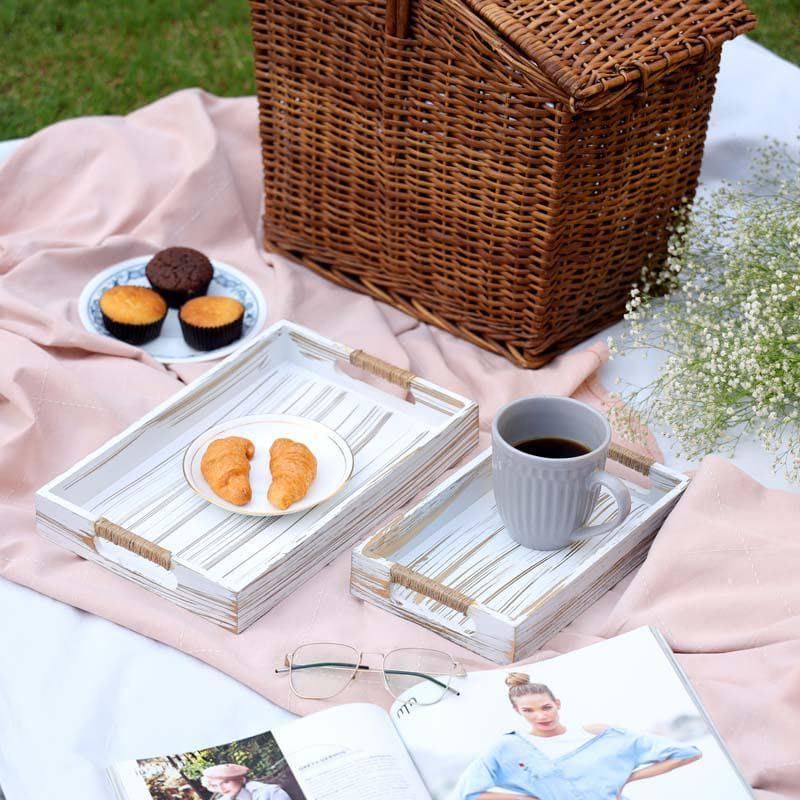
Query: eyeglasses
column 322, row 670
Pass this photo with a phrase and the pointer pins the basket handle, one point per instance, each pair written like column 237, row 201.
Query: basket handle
column 452, row 598
column 398, row 14
column 118, row 535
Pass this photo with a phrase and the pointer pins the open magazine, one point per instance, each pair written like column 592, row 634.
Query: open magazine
column 614, row 720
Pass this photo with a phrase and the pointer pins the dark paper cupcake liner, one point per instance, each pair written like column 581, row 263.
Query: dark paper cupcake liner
column 176, row 299
column 212, row 338
column 133, row 334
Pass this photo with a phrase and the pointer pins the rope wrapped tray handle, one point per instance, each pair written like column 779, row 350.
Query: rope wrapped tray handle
column 383, row 369
column 122, row 537
column 452, row 598
column 628, row 458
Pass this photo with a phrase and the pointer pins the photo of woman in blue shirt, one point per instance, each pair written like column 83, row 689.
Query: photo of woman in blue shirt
column 553, row 762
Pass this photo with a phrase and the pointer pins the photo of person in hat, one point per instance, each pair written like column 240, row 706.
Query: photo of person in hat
column 230, row 781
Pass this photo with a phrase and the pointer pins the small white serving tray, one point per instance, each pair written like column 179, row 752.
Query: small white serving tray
column 449, row 564
column 129, row 507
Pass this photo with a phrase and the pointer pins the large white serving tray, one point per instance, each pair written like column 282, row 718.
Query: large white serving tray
column 128, row 505
column 449, row 564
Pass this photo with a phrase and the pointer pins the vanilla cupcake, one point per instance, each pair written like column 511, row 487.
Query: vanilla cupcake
column 133, row 314
column 211, row 322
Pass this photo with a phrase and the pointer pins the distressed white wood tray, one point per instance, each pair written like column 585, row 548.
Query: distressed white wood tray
column 129, row 507
column 449, row 564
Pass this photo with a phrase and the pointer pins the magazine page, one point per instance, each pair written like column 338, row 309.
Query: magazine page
column 350, row 751
column 612, row 721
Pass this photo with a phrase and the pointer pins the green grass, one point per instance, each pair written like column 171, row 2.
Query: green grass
column 68, row 58
column 778, row 26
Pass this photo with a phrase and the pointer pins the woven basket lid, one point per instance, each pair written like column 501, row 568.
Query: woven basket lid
column 598, row 51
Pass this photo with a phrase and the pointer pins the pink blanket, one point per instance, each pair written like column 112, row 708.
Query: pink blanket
column 721, row 583
column 88, row 193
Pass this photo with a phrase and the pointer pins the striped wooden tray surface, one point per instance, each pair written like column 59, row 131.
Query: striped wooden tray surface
column 450, row 564
column 155, row 502
column 403, row 431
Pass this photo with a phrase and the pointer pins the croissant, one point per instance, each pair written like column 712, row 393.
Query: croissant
column 293, row 467
column 226, row 468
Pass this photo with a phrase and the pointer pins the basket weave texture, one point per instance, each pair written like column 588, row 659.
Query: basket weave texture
column 500, row 168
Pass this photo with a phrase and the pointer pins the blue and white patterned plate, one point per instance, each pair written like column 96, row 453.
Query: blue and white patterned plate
column 170, row 346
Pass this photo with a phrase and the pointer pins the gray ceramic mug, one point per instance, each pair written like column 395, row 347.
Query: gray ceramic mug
column 545, row 502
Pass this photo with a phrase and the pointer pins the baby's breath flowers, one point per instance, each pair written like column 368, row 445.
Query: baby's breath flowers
column 729, row 322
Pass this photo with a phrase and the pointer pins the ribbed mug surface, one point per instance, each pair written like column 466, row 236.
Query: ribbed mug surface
column 545, row 501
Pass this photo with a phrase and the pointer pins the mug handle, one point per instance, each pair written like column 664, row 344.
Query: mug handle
column 620, row 493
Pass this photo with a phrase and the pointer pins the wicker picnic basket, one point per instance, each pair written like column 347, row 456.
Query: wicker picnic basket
column 500, row 168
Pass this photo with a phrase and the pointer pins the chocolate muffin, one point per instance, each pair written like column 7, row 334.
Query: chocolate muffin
column 211, row 322
column 179, row 273
column 133, row 314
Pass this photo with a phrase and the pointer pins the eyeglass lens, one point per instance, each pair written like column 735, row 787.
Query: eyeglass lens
column 428, row 672
column 320, row 671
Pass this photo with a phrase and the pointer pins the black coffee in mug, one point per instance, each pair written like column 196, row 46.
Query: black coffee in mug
column 552, row 447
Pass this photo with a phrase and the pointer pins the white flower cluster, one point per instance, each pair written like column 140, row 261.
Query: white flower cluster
column 726, row 308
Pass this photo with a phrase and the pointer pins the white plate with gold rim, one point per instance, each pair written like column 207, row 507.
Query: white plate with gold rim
column 334, row 460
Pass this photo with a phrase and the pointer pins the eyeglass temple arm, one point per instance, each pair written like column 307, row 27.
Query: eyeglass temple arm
column 423, row 675
column 340, row 665
column 335, row 664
